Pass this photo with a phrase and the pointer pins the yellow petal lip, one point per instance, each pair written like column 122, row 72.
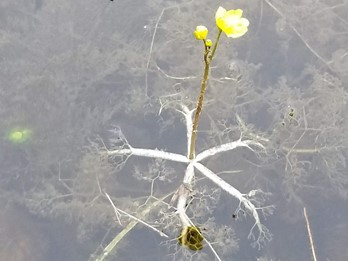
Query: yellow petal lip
column 231, row 22
column 201, row 32
column 235, row 14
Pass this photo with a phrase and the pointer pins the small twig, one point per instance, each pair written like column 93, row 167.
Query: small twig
column 117, row 213
column 310, row 235
column 133, row 217
column 112, row 245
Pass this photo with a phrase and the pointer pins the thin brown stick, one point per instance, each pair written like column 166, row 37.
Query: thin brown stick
column 310, row 235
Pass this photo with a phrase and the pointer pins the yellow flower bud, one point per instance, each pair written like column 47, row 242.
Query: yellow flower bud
column 231, row 22
column 201, row 32
column 208, row 43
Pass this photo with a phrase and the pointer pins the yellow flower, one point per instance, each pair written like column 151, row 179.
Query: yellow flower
column 231, row 22
column 201, row 32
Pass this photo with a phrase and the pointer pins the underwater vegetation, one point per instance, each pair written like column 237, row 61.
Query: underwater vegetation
column 99, row 125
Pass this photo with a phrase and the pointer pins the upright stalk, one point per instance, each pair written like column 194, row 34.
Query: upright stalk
column 208, row 57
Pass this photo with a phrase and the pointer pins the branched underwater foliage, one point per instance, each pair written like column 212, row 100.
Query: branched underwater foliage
column 282, row 86
column 250, row 204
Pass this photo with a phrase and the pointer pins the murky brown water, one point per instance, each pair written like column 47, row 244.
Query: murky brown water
column 20, row 238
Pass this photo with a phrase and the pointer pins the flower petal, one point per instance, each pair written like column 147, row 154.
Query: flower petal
column 231, row 22
column 220, row 12
column 236, row 14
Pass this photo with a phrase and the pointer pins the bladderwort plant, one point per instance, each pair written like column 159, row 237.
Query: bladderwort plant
column 233, row 25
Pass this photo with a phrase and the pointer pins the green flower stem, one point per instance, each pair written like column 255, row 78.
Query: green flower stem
column 216, row 44
column 207, row 59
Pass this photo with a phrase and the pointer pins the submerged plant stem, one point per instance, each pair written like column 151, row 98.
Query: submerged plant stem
column 117, row 239
column 311, row 242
